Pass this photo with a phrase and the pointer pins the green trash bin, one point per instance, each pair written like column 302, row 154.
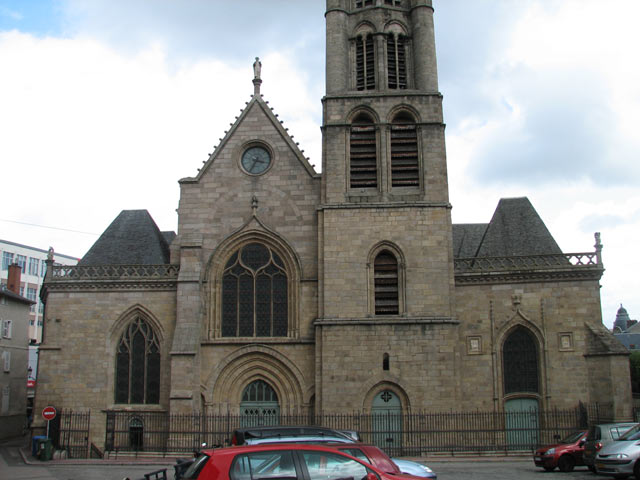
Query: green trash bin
column 45, row 449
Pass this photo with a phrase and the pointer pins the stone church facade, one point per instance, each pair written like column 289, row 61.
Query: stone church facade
column 291, row 291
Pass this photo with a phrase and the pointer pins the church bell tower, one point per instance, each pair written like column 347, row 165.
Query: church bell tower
column 385, row 238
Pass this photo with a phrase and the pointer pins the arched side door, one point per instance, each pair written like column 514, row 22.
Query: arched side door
column 259, row 405
column 386, row 422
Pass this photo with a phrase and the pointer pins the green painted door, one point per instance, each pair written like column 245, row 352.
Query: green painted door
column 521, row 423
column 386, row 422
column 259, row 405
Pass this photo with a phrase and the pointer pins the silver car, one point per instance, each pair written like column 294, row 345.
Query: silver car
column 621, row 457
column 600, row 436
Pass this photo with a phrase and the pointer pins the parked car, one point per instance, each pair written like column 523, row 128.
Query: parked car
column 313, row 434
column 564, row 455
column 375, row 456
column 283, row 461
column 600, row 435
column 254, row 435
column 621, row 458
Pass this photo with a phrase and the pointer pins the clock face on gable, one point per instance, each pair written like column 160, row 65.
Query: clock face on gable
column 256, row 160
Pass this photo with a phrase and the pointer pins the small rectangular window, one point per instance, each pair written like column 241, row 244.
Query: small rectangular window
column 6, row 393
column 34, row 266
column 7, row 259
column 22, row 261
column 6, row 328
column 6, row 359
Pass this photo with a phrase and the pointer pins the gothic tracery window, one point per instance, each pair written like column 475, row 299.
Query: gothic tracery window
column 363, row 153
column 255, row 294
column 520, row 362
column 138, row 365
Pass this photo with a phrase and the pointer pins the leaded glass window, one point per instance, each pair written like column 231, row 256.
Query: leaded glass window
column 255, row 294
column 138, row 365
column 520, row 362
column 385, row 274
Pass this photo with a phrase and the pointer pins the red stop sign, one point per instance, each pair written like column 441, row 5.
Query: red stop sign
column 49, row 413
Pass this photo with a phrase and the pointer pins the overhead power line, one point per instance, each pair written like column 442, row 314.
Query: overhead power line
column 45, row 226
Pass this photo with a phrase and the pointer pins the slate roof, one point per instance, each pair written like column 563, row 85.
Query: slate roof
column 515, row 229
column 629, row 340
column 132, row 238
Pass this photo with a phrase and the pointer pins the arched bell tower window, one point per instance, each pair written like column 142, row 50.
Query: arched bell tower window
column 385, row 273
column 396, row 61
column 255, row 293
column 138, row 365
column 520, row 362
column 363, row 158
column 365, row 62
column 405, row 168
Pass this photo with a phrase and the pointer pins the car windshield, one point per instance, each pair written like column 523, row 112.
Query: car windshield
column 572, row 437
column 632, row 434
column 194, row 469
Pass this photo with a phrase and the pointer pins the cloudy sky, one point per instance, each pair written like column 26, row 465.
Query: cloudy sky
column 106, row 104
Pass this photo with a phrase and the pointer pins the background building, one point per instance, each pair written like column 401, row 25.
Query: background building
column 31, row 261
column 14, row 357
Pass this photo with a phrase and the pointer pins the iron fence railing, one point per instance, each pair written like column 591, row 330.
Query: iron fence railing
column 69, row 431
column 410, row 434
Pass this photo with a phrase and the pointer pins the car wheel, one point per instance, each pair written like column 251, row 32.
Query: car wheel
column 566, row 463
column 592, row 469
column 636, row 470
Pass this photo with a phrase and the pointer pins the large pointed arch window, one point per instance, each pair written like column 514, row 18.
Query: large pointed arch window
column 405, row 166
column 138, row 365
column 520, row 362
column 363, row 157
column 255, row 294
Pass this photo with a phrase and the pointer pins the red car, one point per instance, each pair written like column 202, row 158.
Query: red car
column 564, row 455
column 284, row 461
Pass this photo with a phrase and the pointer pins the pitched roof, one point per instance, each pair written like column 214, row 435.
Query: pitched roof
column 132, row 238
column 467, row 238
column 517, row 229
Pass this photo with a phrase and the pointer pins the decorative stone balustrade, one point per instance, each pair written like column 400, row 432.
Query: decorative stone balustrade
column 65, row 273
column 526, row 262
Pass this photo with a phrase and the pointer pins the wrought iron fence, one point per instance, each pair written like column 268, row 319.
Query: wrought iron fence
column 411, row 434
column 69, row 431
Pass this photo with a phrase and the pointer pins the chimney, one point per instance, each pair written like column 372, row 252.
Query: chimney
column 13, row 282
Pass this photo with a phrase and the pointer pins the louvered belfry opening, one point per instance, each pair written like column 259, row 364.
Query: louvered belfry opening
column 520, row 362
column 363, row 3
column 385, row 274
column 365, row 65
column 405, row 170
column 396, row 61
column 363, row 157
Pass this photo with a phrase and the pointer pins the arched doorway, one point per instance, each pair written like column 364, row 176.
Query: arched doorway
column 520, row 367
column 259, row 405
column 386, row 421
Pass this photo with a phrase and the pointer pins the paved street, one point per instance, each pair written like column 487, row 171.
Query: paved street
column 13, row 467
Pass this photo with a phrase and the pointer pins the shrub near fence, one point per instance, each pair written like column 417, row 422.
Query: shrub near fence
column 411, row 434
